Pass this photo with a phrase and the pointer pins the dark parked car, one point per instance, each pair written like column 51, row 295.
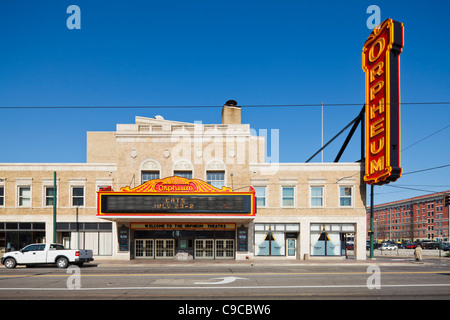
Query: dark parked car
column 430, row 245
column 446, row 246
column 402, row 245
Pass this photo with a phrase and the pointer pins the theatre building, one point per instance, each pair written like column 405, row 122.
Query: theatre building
column 161, row 189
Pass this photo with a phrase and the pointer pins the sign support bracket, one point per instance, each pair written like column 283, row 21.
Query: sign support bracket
column 355, row 123
column 359, row 119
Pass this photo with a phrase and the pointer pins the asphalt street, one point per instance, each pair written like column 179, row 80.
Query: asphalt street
column 385, row 278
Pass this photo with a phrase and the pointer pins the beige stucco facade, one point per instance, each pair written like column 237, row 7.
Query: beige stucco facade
column 298, row 202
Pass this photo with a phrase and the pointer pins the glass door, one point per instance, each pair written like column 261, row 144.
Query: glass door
column 204, row 249
column 144, row 248
column 164, row 248
column 224, row 249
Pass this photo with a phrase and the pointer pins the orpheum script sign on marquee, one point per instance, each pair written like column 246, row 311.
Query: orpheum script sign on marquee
column 175, row 196
column 381, row 64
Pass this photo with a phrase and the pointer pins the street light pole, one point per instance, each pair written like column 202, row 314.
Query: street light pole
column 54, row 207
column 371, row 221
column 78, row 232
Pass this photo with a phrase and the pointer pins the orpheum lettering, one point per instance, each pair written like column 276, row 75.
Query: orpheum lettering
column 381, row 59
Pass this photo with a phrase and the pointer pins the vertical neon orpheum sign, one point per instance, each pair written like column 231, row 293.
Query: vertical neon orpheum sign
column 381, row 64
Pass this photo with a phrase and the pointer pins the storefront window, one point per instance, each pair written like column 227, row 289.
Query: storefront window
column 334, row 244
column 318, row 244
column 262, row 246
column 87, row 235
column 270, row 239
column 329, row 239
column 325, row 244
column 277, row 244
column 15, row 236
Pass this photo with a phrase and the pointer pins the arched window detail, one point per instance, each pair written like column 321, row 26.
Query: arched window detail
column 215, row 173
column 150, row 169
column 183, row 168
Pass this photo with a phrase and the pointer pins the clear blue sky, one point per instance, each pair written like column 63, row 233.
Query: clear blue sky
column 203, row 53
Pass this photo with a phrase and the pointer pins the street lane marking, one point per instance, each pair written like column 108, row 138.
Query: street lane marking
column 233, row 287
column 225, row 280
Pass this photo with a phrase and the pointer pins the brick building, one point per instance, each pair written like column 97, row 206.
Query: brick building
column 419, row 218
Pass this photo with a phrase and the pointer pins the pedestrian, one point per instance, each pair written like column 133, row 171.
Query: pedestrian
column 418, row 253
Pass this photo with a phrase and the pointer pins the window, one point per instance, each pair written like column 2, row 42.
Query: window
column 330, row 239
column 49, row 193
column 184, row 174
column 77, row 196
column 2, row 196
column 149, row 175
column 260, row 196
column 34, row 247
column 271, row 239
column 57, row 247
column 216, row 178
column 25, row 197
column 94, row 236
column 316, row 196
column 287, row 196
column 345, row 196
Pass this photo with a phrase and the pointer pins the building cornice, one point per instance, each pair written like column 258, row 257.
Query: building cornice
column 58, row 167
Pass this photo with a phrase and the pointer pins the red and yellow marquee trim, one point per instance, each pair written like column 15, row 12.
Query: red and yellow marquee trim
column 176, row 184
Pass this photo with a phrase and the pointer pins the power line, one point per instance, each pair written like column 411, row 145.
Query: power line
column 414, row 189
column 216, row 106
column 428, row 169
column 426, row 137
column 426, row 185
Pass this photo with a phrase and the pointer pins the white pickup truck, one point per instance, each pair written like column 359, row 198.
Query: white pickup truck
column 50, row 253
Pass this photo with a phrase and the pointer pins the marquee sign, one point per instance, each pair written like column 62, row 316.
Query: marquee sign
column 381, row 64
column 175, row 196
column 182, row 226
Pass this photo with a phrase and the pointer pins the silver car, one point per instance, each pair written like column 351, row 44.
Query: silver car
column 388, row 246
